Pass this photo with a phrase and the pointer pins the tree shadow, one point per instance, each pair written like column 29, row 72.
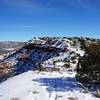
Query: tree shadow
column 93, row 87
column 59, row 84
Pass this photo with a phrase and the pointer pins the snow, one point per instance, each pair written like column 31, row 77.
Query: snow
column 1, row 57
column 10, row 49
column 60, row 64
column 43, row 86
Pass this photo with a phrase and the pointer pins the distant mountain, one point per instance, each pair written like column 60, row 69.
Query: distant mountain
column 10, row 46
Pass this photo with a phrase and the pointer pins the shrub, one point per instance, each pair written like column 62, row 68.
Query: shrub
column 73, row 61
column 14, row 98
column 72, row 52
column 97, row 94
column 86, row 91
column 73, row 58
column 35, row 92
column 55, row 69
column 67, row 65
column 82, row 46
column 40, row 67
column 74, row 43
column 72, row 98
column 66, row 60
column 88, row 68
column 5, row 69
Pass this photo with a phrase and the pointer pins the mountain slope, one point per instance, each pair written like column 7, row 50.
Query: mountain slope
column 41, row 54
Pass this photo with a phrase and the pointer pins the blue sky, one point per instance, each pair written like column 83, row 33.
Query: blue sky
column 24, row 19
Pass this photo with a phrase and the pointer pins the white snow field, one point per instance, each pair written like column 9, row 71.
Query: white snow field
column 34, row 85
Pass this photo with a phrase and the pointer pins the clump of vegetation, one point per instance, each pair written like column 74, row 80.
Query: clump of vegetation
column 15, row 98
column 67, row 65
column 65, row 60
column 72, row 98
column 73, row 57
column 55, row 69
column 5, row 70
column 73, row 62
column 88, row 68
column 35, row 92
column 40, row 67
column 97, row 94
column 72, row 52
column 74, row 43
column 85, row 91
column 82, row 45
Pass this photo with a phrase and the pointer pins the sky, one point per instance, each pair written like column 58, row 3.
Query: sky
column 20, row 20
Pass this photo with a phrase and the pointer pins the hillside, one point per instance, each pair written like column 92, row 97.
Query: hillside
column 41, row 52
column 45, row 66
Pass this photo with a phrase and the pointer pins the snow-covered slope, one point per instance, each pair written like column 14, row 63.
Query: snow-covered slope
column 43, row 86
column 42, row 52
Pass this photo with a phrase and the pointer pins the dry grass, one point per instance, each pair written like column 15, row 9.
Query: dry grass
column 67, row 65
column 35, row 92
column 85, row 91
column 72, row 98
column 97, row 94
column 15, row 98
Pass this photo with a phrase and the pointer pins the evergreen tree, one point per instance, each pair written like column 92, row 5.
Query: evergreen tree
column 88, row 68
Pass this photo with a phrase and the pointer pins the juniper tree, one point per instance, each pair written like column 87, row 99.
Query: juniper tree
column 88, row 68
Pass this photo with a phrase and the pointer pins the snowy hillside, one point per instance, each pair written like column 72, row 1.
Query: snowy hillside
column 45, row 53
